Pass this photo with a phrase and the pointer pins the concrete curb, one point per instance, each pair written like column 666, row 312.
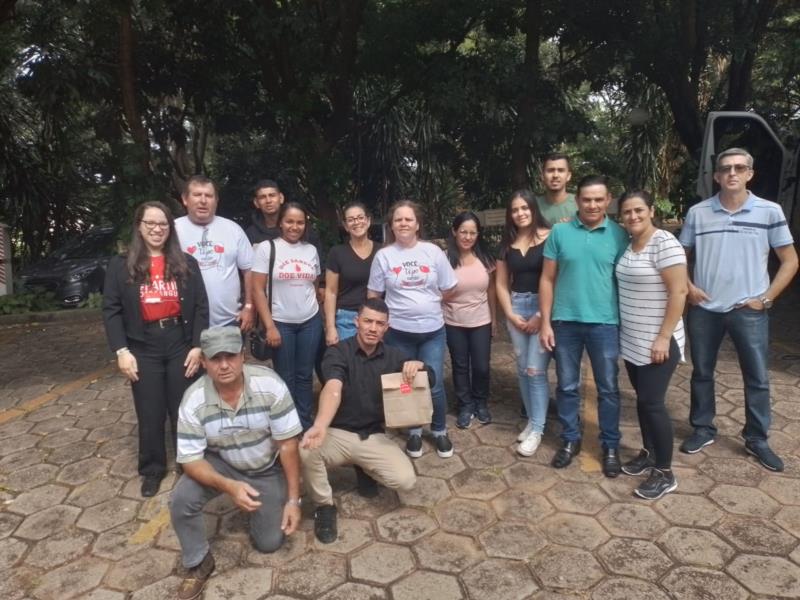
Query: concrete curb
column 70, row 315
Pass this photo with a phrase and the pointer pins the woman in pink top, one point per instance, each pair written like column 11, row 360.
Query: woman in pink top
column 469, row 318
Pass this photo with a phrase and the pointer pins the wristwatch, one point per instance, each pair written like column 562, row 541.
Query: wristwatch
column 295, row 502
column 767, row 302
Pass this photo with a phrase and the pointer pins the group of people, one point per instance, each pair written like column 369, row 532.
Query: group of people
column 177, row 306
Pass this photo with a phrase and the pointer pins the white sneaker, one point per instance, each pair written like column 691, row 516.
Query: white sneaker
column 523, row 435
column 529, row 445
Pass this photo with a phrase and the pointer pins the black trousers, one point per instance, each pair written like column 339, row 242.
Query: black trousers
column 470, row 351
column 650, row 383
column 158, row 392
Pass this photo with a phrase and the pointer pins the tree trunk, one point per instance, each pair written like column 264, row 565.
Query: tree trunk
column 749, row 23
column 127, row 81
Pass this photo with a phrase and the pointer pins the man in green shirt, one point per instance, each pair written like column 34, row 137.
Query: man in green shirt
column 557, row 206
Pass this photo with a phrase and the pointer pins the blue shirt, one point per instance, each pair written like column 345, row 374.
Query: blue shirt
column 585, row 290
column 731, row 248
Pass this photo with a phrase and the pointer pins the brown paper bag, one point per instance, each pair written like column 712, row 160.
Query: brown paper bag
column 406, row 405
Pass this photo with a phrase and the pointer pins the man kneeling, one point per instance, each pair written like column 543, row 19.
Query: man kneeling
column 232, row 425
column 349, row 424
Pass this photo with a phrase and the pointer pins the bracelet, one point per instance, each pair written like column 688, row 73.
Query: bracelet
column 248, row 306
column 122, row 351
column 295, row 502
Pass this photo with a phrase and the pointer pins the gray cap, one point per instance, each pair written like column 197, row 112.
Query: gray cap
column 221, row 339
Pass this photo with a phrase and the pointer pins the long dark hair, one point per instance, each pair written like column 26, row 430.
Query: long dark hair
column 480, row 249
column 510, row 231
column 288, row 206
column 390, row 239
column 138, row 261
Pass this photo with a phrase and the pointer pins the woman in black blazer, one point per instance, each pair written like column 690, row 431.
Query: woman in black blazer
column 154, row 308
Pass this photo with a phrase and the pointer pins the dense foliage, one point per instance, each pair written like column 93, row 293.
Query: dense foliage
column 104, row 104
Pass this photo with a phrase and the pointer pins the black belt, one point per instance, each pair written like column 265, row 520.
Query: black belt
column 164, row 323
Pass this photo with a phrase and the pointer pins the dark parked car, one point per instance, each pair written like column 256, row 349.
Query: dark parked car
column 75, row 270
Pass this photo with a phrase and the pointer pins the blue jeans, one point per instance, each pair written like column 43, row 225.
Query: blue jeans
column 294, row 362
column 429, row 348
column 532, row 361
column 749, row 331
column 601, row 342
column 345, row 323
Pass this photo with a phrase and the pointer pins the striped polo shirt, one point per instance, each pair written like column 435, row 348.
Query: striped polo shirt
column 731, row 248
column 643, row 296
column 242, row 437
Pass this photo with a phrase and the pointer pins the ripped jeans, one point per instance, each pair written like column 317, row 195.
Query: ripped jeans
column 532, row 361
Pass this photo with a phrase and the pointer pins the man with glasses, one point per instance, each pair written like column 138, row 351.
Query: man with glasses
column 223, row 252
column 237, row 435
column 730, row 236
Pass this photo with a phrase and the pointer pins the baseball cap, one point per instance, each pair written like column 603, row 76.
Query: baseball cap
column 221, row 339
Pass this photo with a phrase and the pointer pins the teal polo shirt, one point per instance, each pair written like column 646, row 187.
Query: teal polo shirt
column 585, row 290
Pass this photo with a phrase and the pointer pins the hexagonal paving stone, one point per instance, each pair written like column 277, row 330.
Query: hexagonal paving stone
column 312, row 574
column 8, row 523
column 640, row 558
column 771, row 575
column 482, row 484
column 688, row 510
column 138, row 570
column 447, row 552
column 17, row 443
column 744, row 500
column 353, row 533
column 499, row 579
column 584, row 498
column 694, row 582
column 783, row 489
column 381, row 563
column 120, row 542
column 110, row 432
column 564, row 567
column 521, row 504
column 17, row 583
column 11, row 551
column 59, row 547
column 292, row 547
column 487, row 457
column 56, row 424
column 696, row 547
column 102, row 594
column 531, row 477
column 497, row 435
column 95, row 491
column 100, row 418
column 464, row 516
column 751, row 534
column 789, row 518
column 38, row 499
column 30, row 477
column 691, row 481
column 624, row 588
column 733, row 471
column 21, row 460
column 63, row 437
column 425, row 585
column 72, row 580
column 242, row 584
column 108, row 514
column 631, row 520
column 405, row 525
column 431, row 465
column 355, row 591
column 574, row 530
column 84, row 470
column 427, row 493
column 509, row 539
column 354, row 506
column 72, row 453
column 161, row 589
column 39, row 525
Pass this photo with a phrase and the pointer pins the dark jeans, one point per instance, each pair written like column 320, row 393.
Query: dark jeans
column 650, row 383
column 294, row 361
column 602, row 344
column 158, row 392
column 749, row 331
column 470, row 350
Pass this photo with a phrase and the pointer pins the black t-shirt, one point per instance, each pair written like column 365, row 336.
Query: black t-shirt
column 361, row 409
column 353, row 274
column 525, row 270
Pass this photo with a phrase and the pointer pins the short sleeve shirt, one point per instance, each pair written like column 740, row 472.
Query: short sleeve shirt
column 353, row 272
column 294, row 296
column 468, row 306
column 556, row 213
column 585, row 290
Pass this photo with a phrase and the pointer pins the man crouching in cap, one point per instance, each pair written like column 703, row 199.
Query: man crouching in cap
column 233, row 423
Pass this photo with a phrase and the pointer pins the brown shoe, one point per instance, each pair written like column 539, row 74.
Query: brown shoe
column 195, row 580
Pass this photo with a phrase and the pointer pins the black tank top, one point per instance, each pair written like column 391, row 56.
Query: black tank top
column 525, row 270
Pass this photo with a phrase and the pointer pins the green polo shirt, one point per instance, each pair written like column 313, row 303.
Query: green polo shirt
column 585, row 290
column 556, row 213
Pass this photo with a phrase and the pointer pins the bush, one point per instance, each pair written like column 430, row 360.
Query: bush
column 28, row 302
column 93, row 300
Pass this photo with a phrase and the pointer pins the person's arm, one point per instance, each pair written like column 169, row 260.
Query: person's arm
column 290, row 461
column 787, row 255
column 329, row 400
column 329, row 306
column 676, row 280
column 547, row 283
column 502, row 280
column 243, row 494
column 247, row 314
column 113, row 308
column 491, row 297
column 694, row 295
column 260, row 281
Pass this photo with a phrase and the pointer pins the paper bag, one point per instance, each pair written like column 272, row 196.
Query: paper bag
column 406, row 405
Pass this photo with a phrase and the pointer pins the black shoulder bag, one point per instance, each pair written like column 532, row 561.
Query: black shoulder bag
column 259, row 347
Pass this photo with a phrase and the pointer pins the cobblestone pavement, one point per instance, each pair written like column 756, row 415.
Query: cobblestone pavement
column 485, row 524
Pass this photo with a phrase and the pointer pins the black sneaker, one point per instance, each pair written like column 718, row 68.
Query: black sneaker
column 464, row 419
column 414, row 446
column 444, row 447
column 696, row 442
column 325, row 524
column 641, row 464
column 658, row 484
column 765, row 455
column 366, row 486
column 483, row 415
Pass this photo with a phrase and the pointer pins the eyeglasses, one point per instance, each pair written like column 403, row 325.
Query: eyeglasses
column 739, row 169
column 354, row 220
column 155, row 224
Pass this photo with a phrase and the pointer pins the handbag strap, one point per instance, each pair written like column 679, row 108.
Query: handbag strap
column 269, row 273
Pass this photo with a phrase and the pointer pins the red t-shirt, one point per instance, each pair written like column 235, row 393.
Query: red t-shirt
column 159, row 299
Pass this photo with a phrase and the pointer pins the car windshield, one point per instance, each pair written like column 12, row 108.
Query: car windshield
column 92, row 245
